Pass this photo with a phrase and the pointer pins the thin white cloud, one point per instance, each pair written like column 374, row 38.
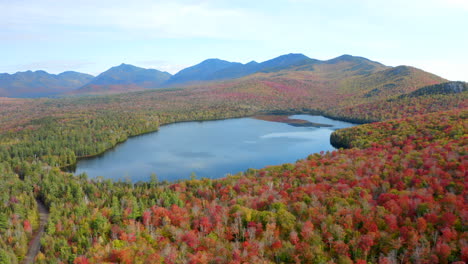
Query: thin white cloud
column 187, row 31
column 151, row 18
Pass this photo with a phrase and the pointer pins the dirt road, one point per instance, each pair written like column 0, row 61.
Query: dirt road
column 35, row 244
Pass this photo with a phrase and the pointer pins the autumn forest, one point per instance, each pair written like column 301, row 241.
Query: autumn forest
column 394, row 190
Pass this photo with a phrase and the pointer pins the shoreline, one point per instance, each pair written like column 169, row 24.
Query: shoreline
column 282, row 116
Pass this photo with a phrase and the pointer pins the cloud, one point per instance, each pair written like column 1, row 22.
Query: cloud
column 158, row 19
column 187, row 31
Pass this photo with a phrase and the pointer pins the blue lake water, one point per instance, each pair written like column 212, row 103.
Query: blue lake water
column 211, row 149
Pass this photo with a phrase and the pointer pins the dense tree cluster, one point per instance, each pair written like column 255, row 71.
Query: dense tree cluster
column 399, row 196
column 400, row 107
column 18, row 215
column 420, row 129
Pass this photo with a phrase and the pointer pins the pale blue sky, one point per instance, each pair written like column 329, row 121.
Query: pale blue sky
column 91, row 36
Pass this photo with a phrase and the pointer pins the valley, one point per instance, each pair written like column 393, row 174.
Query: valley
column 394, row 193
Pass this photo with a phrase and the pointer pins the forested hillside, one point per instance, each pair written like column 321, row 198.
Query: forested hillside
column 18, row 214
column 398, row 196
column 427, row 99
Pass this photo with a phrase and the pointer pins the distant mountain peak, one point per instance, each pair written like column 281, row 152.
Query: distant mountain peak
column 286, row 61
column 201, row 71
column 40, row 83
column 288, row 58
column 126, row 66
column 125, row 77
column 71, row 72
column 293, row 55
column 351, row 58
column 355, row 64
column 345, row 57
column 213, row 60
column 217, row 69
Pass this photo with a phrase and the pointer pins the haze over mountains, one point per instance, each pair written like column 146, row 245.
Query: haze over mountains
column 126, row 77
column 216, row 69
column 40, row 83
column 349, row 70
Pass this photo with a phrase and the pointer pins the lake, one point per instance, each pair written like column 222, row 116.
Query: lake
column 211, row 149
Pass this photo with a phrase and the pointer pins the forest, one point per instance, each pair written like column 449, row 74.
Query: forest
column 395, row 192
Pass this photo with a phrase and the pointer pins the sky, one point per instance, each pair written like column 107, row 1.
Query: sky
column 91, row 36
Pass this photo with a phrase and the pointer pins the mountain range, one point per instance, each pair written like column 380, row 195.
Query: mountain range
column 123, row 78
column 41, row 83
column 216, row 69
column 346, row 70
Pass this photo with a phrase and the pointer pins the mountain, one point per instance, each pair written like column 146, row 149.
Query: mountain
column 200, row 72
column 215, row 69
column 237, row 70
column 442, row 88
column 392, row 81
column 357, row 65
column 344, row 75
column 388, row 93
column 285, row 62
column 124, row 77
column 277, row 64
column 40, row 83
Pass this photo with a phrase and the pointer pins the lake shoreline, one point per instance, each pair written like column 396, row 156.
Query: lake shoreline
column 70, row 168
column 250, row 139
column 274, row 113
